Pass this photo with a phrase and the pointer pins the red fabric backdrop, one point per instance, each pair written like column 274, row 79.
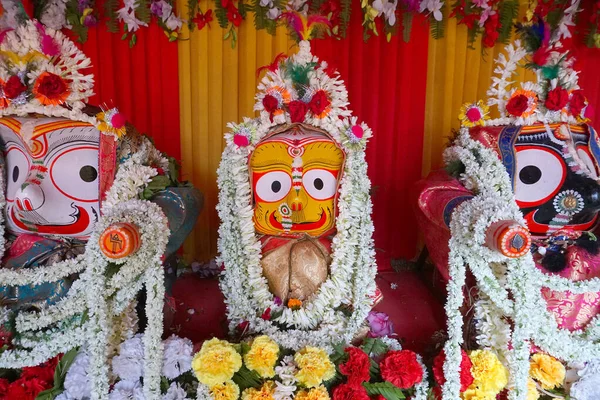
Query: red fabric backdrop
column 386, row 85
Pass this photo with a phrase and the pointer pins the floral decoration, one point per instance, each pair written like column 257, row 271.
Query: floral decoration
column 285, row 96
column 473, row 114
column 490, row 20
column 547, row 370
column 311, row 373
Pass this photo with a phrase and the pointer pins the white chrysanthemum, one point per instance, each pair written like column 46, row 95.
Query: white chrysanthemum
column 129, row 364
column 77, row 381
column 177, row 356
column 126, row 390
column 53, row 15
column 175, row 392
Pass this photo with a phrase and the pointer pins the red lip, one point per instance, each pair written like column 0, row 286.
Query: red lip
column 307, row 226
column 81, row 222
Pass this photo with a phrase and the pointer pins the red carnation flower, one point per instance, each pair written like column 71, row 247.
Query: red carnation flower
column 233, row 15
column 577, row 102
column 401, row 368
column 4, row 384
column 13, row 87
column 267, row 314
column 557, row 99
column 517, row 105
column 26, row 389
column 491, row 30
column 357, row 367
column 350, row 392
column 298, row 110
column 43, row 372
column 466, row 377
column 270, row 103
column 319, row 102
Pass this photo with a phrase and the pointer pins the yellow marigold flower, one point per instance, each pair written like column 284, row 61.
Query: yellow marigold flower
column 265, row 392
column 489, row 375
column 262, row 356
column 314, row 366
column 216, row 362
column 318, row 393
column 532, row 392
column 475, row 393
column 225, row 391
column 547, row 370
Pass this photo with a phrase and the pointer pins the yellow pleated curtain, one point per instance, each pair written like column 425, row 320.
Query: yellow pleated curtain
column 455, row 75
column 217, row 85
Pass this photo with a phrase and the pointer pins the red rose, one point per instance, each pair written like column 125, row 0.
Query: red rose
column 401, row 368
column 466, row 377
column 51, row 89
column 298, row 110
column 517, row 105
column 270, row 103
column 319, row 102
column 233, row 15
column 577, row 102
column 267, row 314
column 350, row 392
column 557, row 99
column 357, row 367
column 14, row 87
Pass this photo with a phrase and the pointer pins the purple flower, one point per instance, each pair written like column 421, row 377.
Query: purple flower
column 157, row 8
column 90, row 21
column 412, row 5
column 83, row 4
column 380, row 324
column 278, row 301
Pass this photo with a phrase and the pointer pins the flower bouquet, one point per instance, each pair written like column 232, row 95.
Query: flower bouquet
column 261, row 369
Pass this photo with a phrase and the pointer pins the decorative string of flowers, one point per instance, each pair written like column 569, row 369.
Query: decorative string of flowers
column 492, row 20
column 285, row 96
column 261, row 369
column 514, row 292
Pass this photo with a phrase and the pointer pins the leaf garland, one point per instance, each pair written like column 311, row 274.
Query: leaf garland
column 221, row 14
column 386, row 389
column 110, row 10
column 508, row 12
column 345, row 16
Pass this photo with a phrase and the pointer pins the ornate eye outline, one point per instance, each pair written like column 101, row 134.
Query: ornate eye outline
column 263, row 188
column 555, row 157
column 588, row 160
column 328, row 181
column 83, row 182
column 22, row 174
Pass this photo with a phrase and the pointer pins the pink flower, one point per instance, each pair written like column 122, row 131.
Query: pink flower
column 474, row 114
column 118, row 121
column 358, row 131
column 240, row 140
column 380, row 324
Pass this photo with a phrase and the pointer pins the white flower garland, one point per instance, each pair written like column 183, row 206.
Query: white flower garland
column 494, row 201
column 353, row 268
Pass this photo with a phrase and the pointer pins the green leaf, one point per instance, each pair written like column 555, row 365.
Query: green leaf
column 63, row 366
column 386, row 389
column 156, row 184
column 221, row 14
column 345, row 16
column 374, row 347
column 508, row 11
column 245, row 379
column 110, row 10
column 192, row 5
column 407, row 20
column 142, row 11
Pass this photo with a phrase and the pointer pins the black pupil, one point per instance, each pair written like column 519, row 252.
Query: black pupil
column 318, row 184
column 15, row 174
column 530, row 174
column 276, row 186
column 88, row 173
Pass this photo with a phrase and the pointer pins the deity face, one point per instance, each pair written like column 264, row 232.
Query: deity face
column 554, row 174
column 295, row 181
column 51, row 176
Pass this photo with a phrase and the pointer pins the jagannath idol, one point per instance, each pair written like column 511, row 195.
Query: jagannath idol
column 296, row 232
column 517, row 206
column 90, row 208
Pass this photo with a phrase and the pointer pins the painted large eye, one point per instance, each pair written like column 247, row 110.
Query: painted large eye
column 585, row 157
column 320, row 184
column 74, row 172
column 17, row 168
column 273, row 186
column 540, row 174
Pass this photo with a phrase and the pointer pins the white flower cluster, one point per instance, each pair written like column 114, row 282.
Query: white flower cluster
column 53, row 14
column 128, row 368
column 517, row 295
column 352, row 270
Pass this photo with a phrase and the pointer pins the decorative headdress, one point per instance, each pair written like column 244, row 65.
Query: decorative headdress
column 43, row 72
column 299, row 89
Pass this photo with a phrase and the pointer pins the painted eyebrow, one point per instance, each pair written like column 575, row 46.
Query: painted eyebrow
column 271, row 164
column 69, row 139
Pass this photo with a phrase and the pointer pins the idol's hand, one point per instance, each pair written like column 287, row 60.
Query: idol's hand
column 509, row 238
column 120, row 240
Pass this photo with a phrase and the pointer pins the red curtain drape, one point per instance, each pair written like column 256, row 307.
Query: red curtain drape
column 386, row 85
